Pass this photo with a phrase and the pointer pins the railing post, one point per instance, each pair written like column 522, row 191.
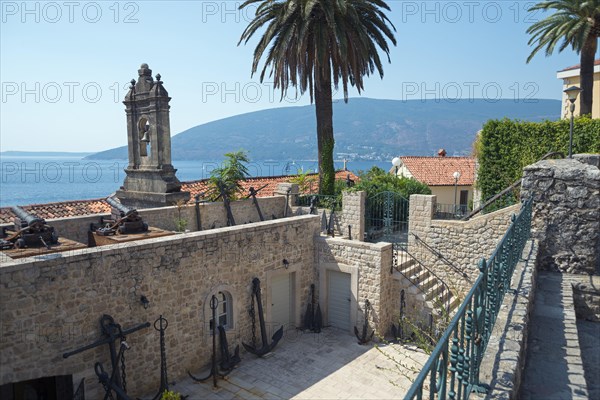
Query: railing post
column 481, row 311
column 453, row 362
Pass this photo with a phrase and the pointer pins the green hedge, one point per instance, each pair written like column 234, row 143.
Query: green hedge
column 505, row 146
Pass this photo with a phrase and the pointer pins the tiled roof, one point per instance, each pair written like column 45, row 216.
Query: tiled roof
column 596, row 62
column 61, row 209
column 438, row 171
column 197, row 187
column 100, row 206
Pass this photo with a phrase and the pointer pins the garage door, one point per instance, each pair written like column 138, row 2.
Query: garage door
column 339, row 300
column 281, row 301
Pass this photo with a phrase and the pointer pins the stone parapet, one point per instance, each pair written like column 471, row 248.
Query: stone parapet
column 505, row 356
column 566, row 213
column 52, row 304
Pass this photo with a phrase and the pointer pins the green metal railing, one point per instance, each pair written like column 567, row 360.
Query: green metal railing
column 452, row 370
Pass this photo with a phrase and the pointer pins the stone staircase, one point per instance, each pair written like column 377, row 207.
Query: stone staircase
column 425, row 286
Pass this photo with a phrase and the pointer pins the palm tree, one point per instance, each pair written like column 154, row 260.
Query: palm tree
column 314, row 43
column 577, row 23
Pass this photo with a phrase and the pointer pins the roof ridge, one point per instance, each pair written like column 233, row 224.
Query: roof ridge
column 57, row 203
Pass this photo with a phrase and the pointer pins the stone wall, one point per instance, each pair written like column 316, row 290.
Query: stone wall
column 505, row 356
column 212, row 215
column 369, row 265
column 353, row 214
column 52, row 304
column 566, row 212
column 586, row 295
column 455, row 247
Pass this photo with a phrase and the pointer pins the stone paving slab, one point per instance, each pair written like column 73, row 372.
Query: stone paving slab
column 329, row 365
column 589, row 341
column 554, row 368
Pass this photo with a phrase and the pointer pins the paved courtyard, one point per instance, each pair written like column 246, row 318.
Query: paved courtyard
column 329, row 365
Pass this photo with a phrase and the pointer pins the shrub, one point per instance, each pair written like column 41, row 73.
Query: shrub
column 505, row 146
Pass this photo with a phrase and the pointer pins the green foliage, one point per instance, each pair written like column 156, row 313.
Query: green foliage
column 572, row 22
column 170, row 395
column 377, row 180
column 326, row 167
column 506, row 146
column 228, row 177
column 180, row 223
column 305, row 180
column 307, row 41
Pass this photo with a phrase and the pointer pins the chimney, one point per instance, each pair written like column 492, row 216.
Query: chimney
column 441, row 153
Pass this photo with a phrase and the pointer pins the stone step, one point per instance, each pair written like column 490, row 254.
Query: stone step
column 438, row 291
column 407, row 264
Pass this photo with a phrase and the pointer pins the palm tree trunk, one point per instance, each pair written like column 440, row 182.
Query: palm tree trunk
column 588, row 52
column 324, row 111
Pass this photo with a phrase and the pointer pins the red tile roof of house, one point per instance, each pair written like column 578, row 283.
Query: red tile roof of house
column 438, row 171
column 596, row 62
column 74, row 208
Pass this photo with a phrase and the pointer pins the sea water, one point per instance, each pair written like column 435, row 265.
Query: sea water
column 38, row 180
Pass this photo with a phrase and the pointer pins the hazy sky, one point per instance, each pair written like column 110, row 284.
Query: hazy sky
column 65, row 65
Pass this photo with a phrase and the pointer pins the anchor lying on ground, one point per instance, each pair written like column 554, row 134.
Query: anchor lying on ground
column 227, row 362
column 112, row 331
column 313, row 320
column 266, row 347
column 365, row 338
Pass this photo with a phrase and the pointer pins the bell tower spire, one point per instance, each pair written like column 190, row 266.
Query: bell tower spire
column 151, row 179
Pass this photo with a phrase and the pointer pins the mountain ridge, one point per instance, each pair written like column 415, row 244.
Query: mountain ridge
column 364, row 129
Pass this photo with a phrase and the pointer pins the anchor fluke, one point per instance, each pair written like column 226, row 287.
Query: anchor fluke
column 266, row 346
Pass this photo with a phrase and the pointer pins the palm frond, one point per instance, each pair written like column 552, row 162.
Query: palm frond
column 305, row 42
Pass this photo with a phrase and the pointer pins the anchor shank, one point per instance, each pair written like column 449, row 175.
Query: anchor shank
column 261, row 317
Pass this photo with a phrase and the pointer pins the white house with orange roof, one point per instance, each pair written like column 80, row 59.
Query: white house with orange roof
column 571, row 77
column 451, row 179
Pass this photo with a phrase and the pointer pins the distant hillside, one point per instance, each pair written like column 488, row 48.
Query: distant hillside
column 364, row 129
column 43, row 154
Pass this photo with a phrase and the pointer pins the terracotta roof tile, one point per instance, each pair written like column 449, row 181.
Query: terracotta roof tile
column 59, row 210
column 438, row 171
column 596, row 62
column 100, row 206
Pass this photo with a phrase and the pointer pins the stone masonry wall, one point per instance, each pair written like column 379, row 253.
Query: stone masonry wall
column 462, row 244
column 504, row 359
column 52, row 304
column 212, row 215
column 369, row 263
column 353, row 214
column 566, row 213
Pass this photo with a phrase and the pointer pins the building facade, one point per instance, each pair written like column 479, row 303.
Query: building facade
column 571, row 77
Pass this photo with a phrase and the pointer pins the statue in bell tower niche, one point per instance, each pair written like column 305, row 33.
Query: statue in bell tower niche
column 150, row 177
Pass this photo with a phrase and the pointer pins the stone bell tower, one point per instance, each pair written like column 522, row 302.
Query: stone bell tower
column 150, row 180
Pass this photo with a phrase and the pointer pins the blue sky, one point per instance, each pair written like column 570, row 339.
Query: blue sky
column 65, row 65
